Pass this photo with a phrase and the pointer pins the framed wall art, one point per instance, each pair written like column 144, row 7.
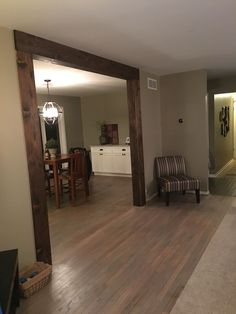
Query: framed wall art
column 224, row 120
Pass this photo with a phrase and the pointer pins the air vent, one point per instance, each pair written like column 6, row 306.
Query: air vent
column 151, row 83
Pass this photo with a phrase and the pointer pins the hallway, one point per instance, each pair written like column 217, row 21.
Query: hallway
column 225, row 183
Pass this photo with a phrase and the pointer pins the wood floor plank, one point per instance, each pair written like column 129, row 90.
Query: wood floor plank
column 110, row 257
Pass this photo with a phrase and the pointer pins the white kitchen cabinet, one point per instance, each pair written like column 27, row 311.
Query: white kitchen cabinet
column 121, row 161
column 97, row 161
column 108, row 160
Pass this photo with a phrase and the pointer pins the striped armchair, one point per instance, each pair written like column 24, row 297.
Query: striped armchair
column 171, row 176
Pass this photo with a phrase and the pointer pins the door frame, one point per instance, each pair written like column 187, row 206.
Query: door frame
column 61, row 131
column 30, row 47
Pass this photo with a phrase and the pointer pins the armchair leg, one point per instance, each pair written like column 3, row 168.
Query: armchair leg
column 167, row 198
column 198, row 196
column 183, row 192
column 159, row 190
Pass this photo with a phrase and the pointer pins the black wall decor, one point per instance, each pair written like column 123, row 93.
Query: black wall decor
column 224, row 120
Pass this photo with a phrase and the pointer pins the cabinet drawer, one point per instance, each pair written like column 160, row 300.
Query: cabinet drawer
column 121, row 149
column 101, row 149
column 96, row 149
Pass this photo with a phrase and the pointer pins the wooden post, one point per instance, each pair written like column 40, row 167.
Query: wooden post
column 136, row 142
column 35, row 156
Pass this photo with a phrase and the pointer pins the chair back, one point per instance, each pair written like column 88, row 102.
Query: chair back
column 73, row 150
column 170, row 166
column 78, row 166
column 87, row 157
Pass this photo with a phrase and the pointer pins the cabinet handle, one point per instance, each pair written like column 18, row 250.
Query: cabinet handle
column 123, row 154
column 100, row 154
column 101, row 149
column 123, row 149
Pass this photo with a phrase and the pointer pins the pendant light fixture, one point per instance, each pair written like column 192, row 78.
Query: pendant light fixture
column 51, row 111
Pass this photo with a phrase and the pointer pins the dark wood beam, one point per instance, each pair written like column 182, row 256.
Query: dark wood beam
column 30, row 47
column 35, row 156
column 135, row 127
column 44, row 49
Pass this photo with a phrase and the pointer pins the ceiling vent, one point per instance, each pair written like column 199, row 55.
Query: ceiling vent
column 151, row 83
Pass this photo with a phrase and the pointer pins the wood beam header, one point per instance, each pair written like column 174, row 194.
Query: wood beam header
column 43, row 49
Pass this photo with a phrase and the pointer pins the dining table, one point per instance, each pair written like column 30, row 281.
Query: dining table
column 56, row 165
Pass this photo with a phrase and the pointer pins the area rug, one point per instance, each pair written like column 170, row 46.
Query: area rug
column 211, row 288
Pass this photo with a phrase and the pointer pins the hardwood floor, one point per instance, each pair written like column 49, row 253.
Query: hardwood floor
column 110, row 257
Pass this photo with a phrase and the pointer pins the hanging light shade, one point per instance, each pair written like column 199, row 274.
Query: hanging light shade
column 51, row 111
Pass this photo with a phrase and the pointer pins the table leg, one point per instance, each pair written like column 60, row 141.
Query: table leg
column 56, row 184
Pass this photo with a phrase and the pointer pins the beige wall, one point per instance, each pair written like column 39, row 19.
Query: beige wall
column 16, row 228
column 72, row 115
column 109, row 108
column 222, row 85
column 223, row 146
column 183, row 96
column 151, row 127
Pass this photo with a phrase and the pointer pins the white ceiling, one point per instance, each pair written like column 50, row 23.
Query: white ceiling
column 161, row 36
column 73, row 82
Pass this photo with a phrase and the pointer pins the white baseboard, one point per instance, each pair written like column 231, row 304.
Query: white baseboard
column 112, row 174
column 149, row 198
column 201, row 192
column 205, row 192
column 214, row 175
column 211, row 175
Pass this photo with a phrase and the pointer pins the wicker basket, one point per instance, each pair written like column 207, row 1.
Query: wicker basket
column 37, row 282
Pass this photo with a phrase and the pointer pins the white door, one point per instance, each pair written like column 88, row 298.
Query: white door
column 121, row 162
column 107, row 162
column 97, row 161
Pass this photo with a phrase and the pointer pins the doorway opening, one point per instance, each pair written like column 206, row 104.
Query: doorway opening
column 222, row 118
column 95, row 119
column 31, row 48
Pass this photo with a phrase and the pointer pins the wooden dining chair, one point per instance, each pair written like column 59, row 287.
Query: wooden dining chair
column 76, row 174
column 48, row 182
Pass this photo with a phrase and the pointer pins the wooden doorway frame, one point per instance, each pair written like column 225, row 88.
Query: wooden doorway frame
column 30, row 47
